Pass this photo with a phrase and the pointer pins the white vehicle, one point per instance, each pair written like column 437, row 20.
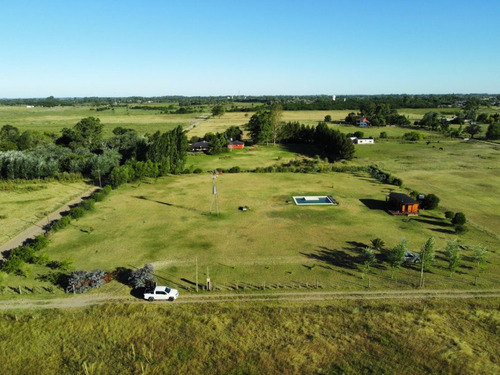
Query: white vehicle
column 162, row 293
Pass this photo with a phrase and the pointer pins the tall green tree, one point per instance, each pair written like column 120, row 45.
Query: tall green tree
column 426, row 258
column 493, row 131
column 275, row 118
column 367, row 259
column 452, row 253
column 479, row 254
column 473, row 129
column 396, row 256
column 260, row 128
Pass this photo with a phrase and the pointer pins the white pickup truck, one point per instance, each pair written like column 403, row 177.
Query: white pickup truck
column 161, row 293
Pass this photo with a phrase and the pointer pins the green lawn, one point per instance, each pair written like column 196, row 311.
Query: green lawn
column 169, row 223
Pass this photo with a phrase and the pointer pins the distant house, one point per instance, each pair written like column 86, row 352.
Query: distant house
column 200, row 146
column 363, row 122
column 362, row 141
column 235, row 145
column 402, row 204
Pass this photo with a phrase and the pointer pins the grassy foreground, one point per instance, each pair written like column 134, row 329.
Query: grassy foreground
column 353, row 337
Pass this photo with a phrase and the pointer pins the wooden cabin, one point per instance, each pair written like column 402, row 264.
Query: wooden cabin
column 402, row 204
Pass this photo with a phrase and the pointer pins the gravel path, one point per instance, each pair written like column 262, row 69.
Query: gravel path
column 100, row 299
column 37, row 228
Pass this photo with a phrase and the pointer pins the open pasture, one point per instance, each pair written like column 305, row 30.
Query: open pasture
column 169, row 224
column 54, row 119
column 23, row 203
column 464, row 175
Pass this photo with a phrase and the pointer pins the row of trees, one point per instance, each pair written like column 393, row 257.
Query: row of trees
column 266, row 127
column 395, row 257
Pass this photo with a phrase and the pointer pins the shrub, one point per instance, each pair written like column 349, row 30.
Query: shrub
column 81, row 281
column 88, row 204
column 12, row 265
column 98, row 196
column 198, row 171
column 40, row 242
column 449, row 215
column 76, row 212
column 142, row 277
column 235, row 169
column 459, row 219
column 63, row 222
column 431, row 202
column 459, row 229
column 383, row 135
column 413, row 136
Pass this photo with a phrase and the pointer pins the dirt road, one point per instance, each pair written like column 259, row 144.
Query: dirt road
column 203, row 297
column 37, row 228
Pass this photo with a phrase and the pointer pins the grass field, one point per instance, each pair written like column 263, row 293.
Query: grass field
column 273, row 242
column 347, row 337
column 23, row 203
column 56, row 118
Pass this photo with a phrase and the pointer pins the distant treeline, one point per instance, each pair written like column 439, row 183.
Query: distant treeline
column 287, row 102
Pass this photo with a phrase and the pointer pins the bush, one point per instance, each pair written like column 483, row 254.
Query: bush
column 63, row 222
column 81, row 281
column 459, row 219
column 234, row 169
column 40, row 242
column 383, row 135
column 431, row 202
column 449, row 215
column 413, row 136
column 76, row 212
column 142, row 277
column 198, row 171
column 459, row 229
column 88, row 204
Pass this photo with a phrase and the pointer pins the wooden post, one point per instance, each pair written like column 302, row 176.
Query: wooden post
column 20, row 292
column 196, row 274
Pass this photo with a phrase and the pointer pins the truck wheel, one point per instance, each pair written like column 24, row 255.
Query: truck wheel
column 151, row 299
column 171, row 299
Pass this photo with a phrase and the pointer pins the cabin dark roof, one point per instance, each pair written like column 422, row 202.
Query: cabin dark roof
column 200, row 144
column 402, row 198
column 236, row 143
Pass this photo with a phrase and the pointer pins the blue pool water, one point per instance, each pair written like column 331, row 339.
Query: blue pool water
column 314, row 200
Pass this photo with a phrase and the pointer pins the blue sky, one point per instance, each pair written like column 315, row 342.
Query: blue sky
column 274, row 47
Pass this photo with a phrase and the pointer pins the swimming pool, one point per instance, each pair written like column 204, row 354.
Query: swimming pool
column 311, row 200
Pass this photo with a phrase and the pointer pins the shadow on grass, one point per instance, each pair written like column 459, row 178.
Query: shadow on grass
column 142, row 197
column 375, row 204
column 333, row 257
column 303, row 149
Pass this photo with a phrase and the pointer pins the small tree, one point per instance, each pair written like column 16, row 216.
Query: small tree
column 396, row 256
column 452, row 253
column 426, row 258
column 431, row 202
column 367, row 259
column 459, row 219
column 328, row 118
column 378, row 243
column 479, row 254
column 449, row 215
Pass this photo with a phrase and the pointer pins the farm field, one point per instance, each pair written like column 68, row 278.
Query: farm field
column 350, row 337
column 23, row 203
column 464, row 175
column 54, row 119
